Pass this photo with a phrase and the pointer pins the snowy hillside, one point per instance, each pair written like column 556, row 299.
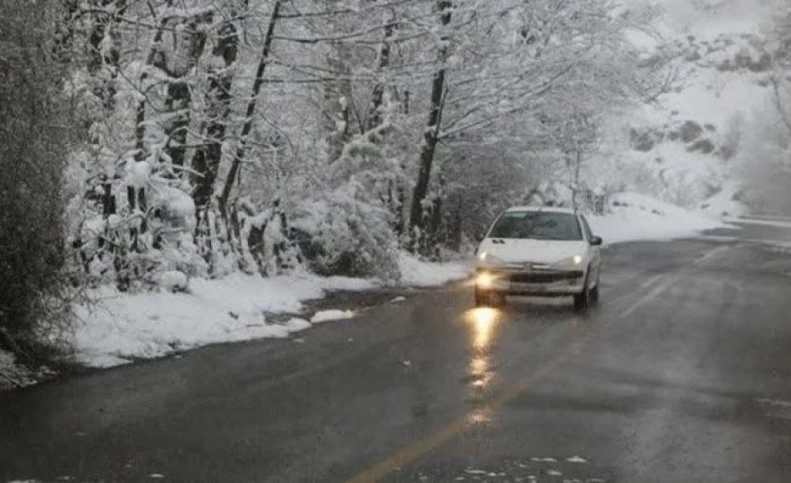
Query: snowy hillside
column 680, row 145
column 636, row 217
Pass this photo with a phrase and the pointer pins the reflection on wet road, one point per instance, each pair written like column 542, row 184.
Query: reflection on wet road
column 483, row 327
column 682, row 373
column 483, row 322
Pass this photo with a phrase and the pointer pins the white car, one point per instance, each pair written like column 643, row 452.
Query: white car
column 533, row 251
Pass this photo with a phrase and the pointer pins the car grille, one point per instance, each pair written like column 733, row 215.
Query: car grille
column 544, row 277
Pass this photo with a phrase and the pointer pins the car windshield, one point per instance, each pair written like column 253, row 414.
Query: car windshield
column 537, row 225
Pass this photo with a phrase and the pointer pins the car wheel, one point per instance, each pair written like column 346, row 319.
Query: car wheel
column 594, row 294
column 582, row 300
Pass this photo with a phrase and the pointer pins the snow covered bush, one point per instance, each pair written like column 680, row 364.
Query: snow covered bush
column 174, row 281
column 345, row 235
column 140, row 227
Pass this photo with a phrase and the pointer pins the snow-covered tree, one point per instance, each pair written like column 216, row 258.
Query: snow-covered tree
column 232, row 135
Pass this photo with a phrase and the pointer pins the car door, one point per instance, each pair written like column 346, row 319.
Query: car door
column 595, row 250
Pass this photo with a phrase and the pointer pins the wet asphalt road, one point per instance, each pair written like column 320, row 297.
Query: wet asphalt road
column 681, row 374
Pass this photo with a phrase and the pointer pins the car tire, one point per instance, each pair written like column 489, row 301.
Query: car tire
column 582, row 300
column 594, row 294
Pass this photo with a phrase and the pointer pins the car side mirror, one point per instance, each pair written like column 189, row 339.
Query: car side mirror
column 596, row 241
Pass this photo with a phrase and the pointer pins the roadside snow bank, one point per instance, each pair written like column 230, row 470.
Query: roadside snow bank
column 638, row 217
column 418, row 273
column 123, row 327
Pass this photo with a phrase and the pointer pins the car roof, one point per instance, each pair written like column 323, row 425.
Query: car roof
column 545, row 209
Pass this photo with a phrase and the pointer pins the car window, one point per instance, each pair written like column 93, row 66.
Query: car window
column 537, row 226
column 587, row 228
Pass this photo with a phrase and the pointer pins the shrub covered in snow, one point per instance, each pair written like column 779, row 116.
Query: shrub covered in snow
column 174, row 281
column 343, row 235
column 139, row 227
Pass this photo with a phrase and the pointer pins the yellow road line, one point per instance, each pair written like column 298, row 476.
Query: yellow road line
column 413, row 451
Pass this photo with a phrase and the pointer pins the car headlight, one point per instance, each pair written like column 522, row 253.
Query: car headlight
column 573, row 261
column 484, row 280
column 486, row 258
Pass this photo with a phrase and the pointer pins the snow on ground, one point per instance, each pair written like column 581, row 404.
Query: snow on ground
column 334, row 314
column 417, row 273
column 723, row 204
column 121, row 328
column 637, row 217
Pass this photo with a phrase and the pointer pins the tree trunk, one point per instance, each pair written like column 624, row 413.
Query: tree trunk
column 377, row 97
column 206, row 161
column 179, row 96
column 248, row 121
column 337, row 98
column 140, row 117
column 430, row 137
column 95, row 38
column 337, row 91
column 105, row 24
column 575, row 190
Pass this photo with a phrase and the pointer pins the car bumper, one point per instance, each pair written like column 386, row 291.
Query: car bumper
column 545, row 283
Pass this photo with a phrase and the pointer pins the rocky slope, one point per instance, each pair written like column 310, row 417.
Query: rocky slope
column 681, row 145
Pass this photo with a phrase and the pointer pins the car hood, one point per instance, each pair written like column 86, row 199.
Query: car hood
column 536, row 251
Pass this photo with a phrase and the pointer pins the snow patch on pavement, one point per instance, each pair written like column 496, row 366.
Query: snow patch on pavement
column 637, row 217
column 576, row 459
column 328, row 315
